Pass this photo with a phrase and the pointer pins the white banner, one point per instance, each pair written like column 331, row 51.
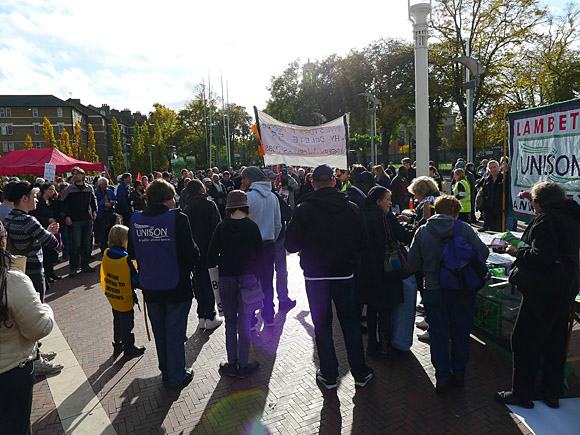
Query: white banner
column 545, row 146
column 49, row 172
column 304, row 146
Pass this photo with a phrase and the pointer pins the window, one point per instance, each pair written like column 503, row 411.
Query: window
column 37, row 145
column 6, row 129
column 60, row 127
column 36, row 128
column 2, row 113
column 5, row 147
column 35, row 112
column 10, row 146
column 59, row 112
column 8, row 112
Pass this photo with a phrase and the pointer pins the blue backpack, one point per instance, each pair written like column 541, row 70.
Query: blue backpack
column 462, row 269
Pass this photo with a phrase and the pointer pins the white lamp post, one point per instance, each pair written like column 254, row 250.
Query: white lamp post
column 373, row 112
column 418, row 13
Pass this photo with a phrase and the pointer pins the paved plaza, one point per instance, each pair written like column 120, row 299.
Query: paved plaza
column 98, row 393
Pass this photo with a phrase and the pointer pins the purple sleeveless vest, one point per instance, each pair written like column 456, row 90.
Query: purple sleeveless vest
column 153, row 238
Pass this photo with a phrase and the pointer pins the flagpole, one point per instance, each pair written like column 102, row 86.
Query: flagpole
column 205, row 119
column 229, row 137
column 210, row 119
column 224, row 121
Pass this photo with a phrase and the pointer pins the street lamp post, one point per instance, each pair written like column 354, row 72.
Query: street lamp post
column 418, row 13
column 150, row 145
column 373, row 112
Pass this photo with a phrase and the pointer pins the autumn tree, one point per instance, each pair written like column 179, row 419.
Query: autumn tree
column 65, row 143
column 91, row 147
column 28, row 142
column 48, row 133
column 137, row 152
column 118, row 163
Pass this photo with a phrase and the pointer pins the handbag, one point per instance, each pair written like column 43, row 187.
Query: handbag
column 395, row 254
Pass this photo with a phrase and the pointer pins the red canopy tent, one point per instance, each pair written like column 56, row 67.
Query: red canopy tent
column 32, row 162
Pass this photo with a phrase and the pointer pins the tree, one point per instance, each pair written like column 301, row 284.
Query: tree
column 78, row 150
column 137, row 152
column 65, row 143
column 118, row 163
column 28, row 142
column 48, row 133
column 91, row 149
column 159, row 151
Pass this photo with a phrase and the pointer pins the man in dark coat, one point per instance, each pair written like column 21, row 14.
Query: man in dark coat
column 358, row 191
column 326, row 218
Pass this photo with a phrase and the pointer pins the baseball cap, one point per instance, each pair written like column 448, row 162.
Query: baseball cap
column 323, row 173
column 19, row 190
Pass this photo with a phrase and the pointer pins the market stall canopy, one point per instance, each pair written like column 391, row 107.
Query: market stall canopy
column 32, row 162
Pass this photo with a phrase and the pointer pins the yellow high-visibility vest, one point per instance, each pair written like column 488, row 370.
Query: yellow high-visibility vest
column 464, row 200
column 116, row 282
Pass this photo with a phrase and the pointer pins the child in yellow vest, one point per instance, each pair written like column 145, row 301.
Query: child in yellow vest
column 119, row 279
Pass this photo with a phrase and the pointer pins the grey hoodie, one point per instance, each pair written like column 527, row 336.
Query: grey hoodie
column 429, row 241
column 265, row 210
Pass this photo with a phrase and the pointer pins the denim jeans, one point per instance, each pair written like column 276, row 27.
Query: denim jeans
column 267, row 281
column 16, row 399
column 449, row 316
column 204, row 292
column 321, row 294
column 281, row 271
column 237, row 321
column 169, row 324
column 65, row 234
column 404, row 316
column 82, row 232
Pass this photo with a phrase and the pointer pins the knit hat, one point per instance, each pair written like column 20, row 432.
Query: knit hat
column 254, row 173
column 236, row 199
column 20, row 189
column 460, row 164
column 365, row 177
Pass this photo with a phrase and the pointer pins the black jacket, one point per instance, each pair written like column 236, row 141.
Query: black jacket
column 204, row 217
column 355, row 196
column 187, row 257
column 327, row 229
column 79, row 202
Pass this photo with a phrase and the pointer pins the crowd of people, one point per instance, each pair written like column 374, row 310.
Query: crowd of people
column 177, row 229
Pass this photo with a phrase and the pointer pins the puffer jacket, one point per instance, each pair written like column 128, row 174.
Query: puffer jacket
column 31, row 320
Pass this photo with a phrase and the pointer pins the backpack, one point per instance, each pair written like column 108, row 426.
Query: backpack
column 462, row 270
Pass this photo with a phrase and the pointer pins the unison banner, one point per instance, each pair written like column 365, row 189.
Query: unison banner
column 544, row 146
column 303, row 146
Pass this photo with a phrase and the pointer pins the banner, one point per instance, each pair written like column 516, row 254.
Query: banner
column 304, row 146
column 544, row 146
column 49, row 172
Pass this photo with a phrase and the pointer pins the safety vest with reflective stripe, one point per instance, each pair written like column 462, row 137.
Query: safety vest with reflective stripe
column 464, row 200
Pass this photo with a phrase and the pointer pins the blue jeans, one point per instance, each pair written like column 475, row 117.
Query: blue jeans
column 321, row 294
column 169, row 324
column 66, row 240
column 449, row 316
column 82, row 232
column 237, row 321
column 404, row 316
column 281, row 271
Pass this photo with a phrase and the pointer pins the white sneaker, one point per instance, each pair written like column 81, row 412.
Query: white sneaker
column 201, row 324
column 48, row 356
column 43, row 367
column 212, row 324
column 422, row 325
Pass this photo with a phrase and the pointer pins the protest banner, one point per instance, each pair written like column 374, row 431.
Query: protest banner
column 303, row 146
column 544, row 146
column 49, row 172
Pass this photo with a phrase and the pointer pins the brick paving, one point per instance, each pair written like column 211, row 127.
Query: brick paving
column 283, row 396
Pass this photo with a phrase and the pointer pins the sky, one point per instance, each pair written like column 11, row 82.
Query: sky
column 131, row 54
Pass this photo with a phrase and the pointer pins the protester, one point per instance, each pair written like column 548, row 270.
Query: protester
column 547, row 274
column 265, row 211
column 238, row 283
column 219, row 194
column 357, row 192
column 381, row 177
column 165, row 266
column 448, row 315
column 323, row 219
column 426, row 193
column 106, row 206
column 6, row 205
column 411, row 172
column 462, row 191
column 80, row 206
column 307, row 186
column 204, row 217
column 24, row 320
column 492, row 188
column 138, row 198
column 119, row 280
column 399, row 186
column 227, row 182
column 123, row 206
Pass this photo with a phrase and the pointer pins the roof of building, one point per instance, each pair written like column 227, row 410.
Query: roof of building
column 31, row 101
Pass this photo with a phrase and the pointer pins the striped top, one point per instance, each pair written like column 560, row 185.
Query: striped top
column 28, row 235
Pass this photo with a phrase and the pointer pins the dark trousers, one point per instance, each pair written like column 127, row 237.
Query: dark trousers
column 381, row 317
column 204, row 292
column 541, row 330
column 16, row 399
column 267, row 281
column 449, row 316
column 50, row 256
column 123, row 323
column 82, row 234
column 321, row 295
column 39, row 283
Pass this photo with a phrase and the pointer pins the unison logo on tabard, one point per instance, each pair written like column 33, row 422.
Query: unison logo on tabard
column 150, row 231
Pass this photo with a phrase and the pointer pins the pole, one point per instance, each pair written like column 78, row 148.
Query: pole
column 228, row 130
column 150, row 161
column 372, row 137
column 205, row 121
column 210, row 120
column 418, row 13
column 503, row 208
column 469, row 108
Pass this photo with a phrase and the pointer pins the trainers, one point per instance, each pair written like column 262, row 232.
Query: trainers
column 88, row 269
column 48, row 356
column 328, row 384
column 362, row 382
column 212, row 324
column 248, row 370
column 229, row 369
column 185, row 381
column 509, row 398
column 133, row 350
column 422, row 325
column 269, row 323
column 201, row 324
column 42, row 367
column 73, row 273
column 424, row 337
column 286, row 305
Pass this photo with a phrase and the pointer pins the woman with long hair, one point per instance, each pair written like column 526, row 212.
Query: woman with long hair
column 381, row 177
column 23, row 321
